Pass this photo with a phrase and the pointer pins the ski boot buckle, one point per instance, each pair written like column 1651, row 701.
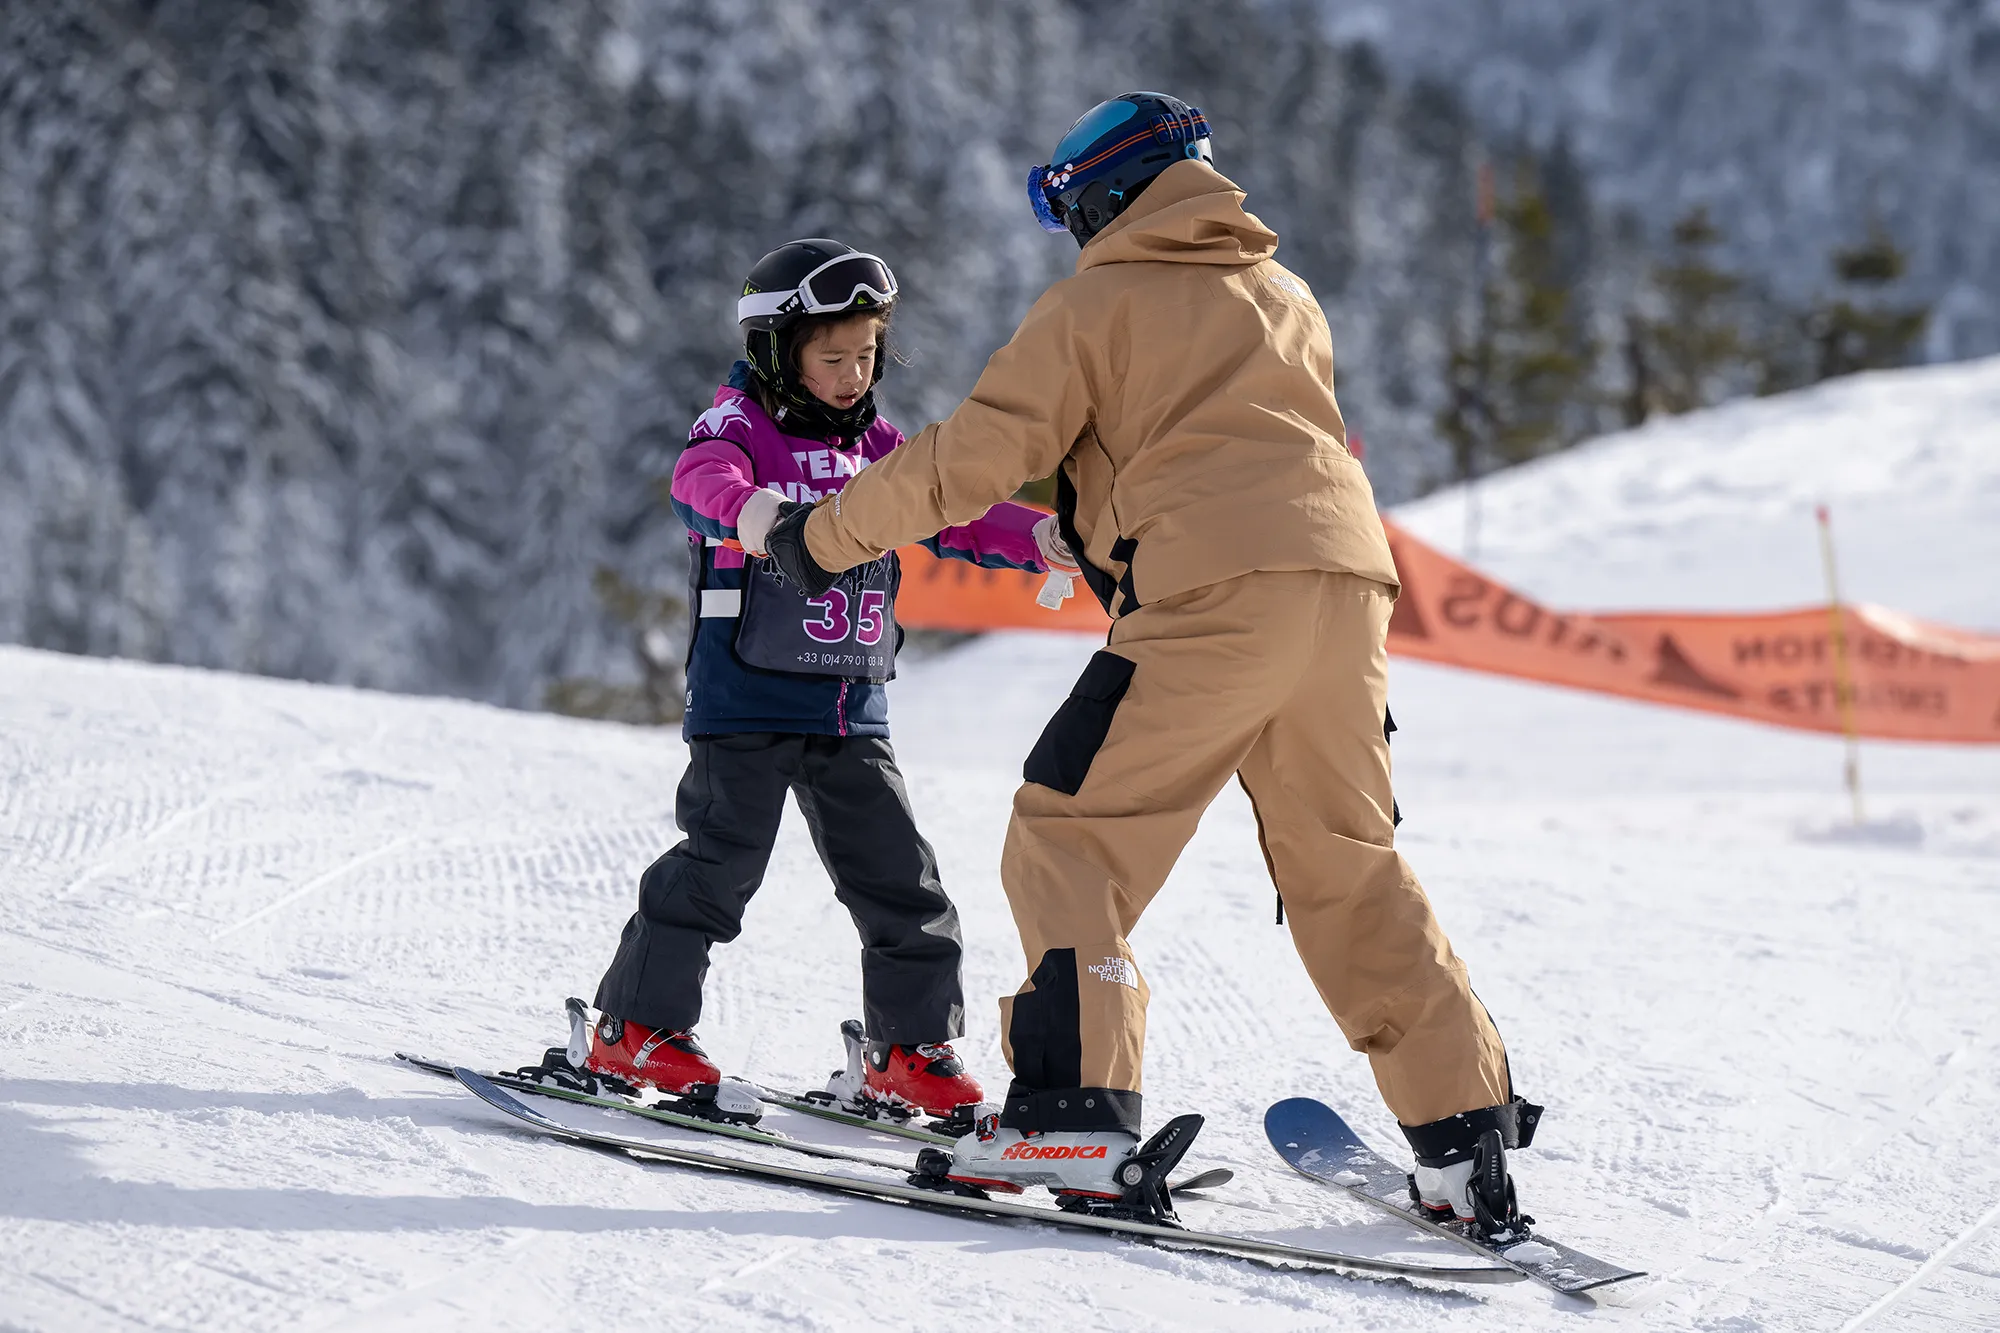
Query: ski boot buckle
column 1142, row 1178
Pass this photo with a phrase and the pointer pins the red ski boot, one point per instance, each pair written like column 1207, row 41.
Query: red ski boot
column 928, row 1077
column 923, row 1079
column 673, row 1062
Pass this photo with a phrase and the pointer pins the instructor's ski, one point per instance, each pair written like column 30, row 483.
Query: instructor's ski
column 1246, row 1247
column 1315, row 1140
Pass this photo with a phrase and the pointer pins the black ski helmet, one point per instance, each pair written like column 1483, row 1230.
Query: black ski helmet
column 1112, row 152
column 815, row 276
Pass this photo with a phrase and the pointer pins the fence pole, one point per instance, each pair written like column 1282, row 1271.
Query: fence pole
column 1843, row 677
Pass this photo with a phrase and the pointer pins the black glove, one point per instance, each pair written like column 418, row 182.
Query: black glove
column 786, row 547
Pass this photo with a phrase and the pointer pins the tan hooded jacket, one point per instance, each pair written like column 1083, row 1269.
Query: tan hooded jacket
column 1183, row 382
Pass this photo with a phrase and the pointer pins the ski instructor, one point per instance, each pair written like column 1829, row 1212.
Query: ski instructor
column 1180, row 387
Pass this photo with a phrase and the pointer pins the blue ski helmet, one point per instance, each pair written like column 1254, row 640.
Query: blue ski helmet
column 1112, row 152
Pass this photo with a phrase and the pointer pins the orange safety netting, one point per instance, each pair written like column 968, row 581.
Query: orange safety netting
column 1908, row 679
column 954, row 594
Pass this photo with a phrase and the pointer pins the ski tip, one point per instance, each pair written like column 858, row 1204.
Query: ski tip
column 481, row 1084
column 1294, row 1114
column 500, row 1099
column 1298, row 1124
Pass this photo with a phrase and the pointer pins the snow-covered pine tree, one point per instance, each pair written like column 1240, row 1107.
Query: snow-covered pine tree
column 1695, row 351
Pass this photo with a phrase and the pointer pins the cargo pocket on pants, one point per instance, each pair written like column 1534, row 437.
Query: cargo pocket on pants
column 1061, row 758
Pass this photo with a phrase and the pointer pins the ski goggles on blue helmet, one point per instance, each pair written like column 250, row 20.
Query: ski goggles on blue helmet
column 853, row 281
column 1123, row 143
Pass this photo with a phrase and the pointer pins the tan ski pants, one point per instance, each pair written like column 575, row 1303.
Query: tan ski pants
column 1279, row 679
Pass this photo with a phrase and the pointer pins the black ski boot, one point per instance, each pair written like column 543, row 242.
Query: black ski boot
column 1461, row 1178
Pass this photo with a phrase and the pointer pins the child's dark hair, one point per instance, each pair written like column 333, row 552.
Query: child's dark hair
column 797, row 335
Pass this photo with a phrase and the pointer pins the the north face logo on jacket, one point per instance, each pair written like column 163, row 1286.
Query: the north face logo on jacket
column 1117, row 970
column 1285, row 282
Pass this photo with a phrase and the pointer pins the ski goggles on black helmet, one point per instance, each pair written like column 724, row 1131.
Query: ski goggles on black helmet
column 852, row 281
column 1103, row 141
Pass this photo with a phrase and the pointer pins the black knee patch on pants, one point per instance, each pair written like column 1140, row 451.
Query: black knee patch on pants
column 1061, row 758
column 1046, row 1031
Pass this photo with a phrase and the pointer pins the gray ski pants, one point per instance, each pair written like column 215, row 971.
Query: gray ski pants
column 884, row 873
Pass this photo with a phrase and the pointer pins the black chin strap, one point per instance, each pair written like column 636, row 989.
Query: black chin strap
column 803, row 414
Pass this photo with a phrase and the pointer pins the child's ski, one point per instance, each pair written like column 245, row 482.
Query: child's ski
column 1213, row 1178
column 823, row 1106
column 768, row 1137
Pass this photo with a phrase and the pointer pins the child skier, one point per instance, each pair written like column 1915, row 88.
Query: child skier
column 785, row 694
column 1180, row 386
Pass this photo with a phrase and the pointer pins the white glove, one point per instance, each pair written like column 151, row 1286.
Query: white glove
column 1055, row 551
column 753, row 522
column 1061, row 561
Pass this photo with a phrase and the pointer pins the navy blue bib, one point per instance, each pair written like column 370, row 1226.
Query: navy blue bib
column 848, row 631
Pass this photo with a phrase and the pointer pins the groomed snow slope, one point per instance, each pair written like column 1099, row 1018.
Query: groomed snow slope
column 1770, row 1049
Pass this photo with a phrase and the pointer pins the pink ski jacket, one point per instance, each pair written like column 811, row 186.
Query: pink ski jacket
column 735, row 449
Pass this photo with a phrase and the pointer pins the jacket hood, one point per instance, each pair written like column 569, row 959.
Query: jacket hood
column 1190, row 214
